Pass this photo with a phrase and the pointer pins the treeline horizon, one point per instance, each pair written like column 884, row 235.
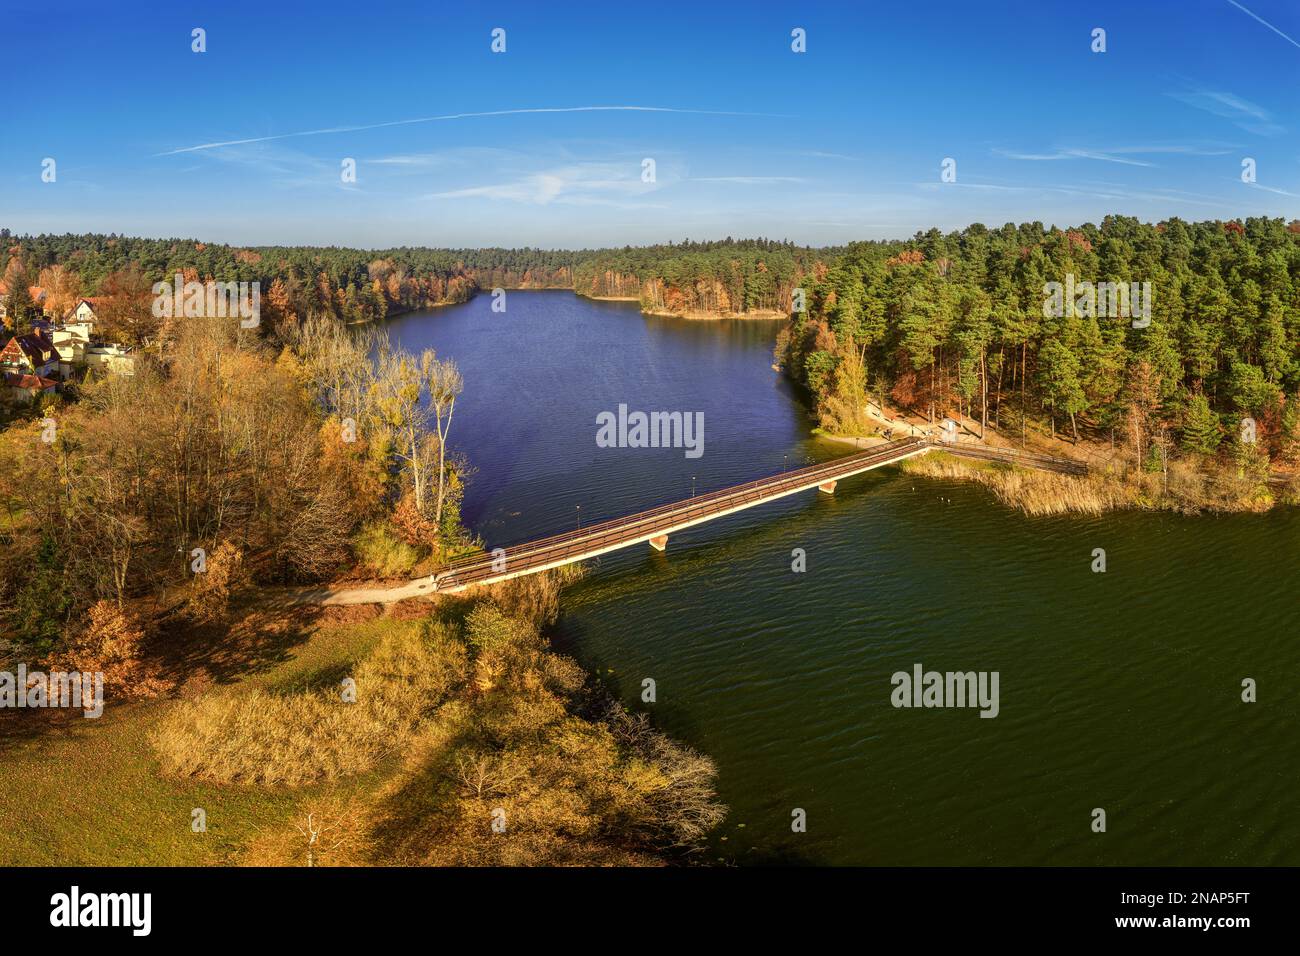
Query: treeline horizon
column 361, row 285
column 943, row 321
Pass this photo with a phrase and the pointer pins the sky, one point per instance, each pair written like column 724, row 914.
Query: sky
column 546, row 143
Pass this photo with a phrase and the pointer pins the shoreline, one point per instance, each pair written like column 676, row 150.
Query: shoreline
column 1101, row 491
column 766, row 315
column 770, row 315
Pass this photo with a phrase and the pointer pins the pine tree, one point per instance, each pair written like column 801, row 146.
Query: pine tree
column 1202, row 430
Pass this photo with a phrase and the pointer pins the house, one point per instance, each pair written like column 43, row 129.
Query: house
column 56, row 352
column 71, row 340
column 107, row 355
column 31, row 354
column 82, row 313
column 77, row 331
column 20, row 387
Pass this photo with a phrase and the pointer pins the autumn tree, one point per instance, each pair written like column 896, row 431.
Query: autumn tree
column 126, row 306
column 62, row 289
column 112, row 643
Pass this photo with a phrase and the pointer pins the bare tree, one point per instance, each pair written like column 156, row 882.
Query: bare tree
column 397, row 391
column 443, row 380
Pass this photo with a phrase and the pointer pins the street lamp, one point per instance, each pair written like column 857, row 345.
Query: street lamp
column 579, row 507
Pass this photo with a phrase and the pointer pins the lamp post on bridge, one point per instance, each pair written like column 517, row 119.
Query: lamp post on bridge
column 579, row 507
column 692, row 486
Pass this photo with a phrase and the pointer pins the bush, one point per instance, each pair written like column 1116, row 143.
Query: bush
column 212, row 590
column 573, row 782
column 112, row 643
column 383, row 553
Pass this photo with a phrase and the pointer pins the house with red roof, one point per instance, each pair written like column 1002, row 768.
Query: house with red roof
column 31, row 354
column 19, row 387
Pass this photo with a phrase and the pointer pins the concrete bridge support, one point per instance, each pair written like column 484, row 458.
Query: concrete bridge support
column 828, row 487
column 659, row 542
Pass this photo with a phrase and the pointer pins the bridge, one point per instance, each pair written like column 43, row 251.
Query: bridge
column 658, row 524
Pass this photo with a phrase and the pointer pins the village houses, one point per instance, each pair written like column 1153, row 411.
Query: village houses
column 39, row 361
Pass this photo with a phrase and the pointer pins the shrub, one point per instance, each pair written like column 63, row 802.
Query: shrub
column 112, row 643
column 382, row 552
column 212, row 590
column 535, row 598
column 42, row 603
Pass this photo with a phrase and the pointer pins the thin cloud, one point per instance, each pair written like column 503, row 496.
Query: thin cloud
column 1266, row 23
column 1270, row 189
column 426, row 160
column 1071, row 154
column 1118, row 154
column 748, row 180
column 591, row 184
column 474, row 156
column 967, row 185
column 821, row 154
column 1249, row 116
column 455, row 116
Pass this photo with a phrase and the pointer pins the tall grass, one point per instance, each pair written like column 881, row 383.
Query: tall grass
column 489, row 723
column 1034, row 492
column 298, row 738
column 1187, row 487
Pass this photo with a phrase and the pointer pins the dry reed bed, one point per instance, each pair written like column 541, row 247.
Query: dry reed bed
column 1186, row 488
column 1033, row 492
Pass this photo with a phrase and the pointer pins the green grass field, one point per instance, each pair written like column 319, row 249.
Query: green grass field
column 88, row 792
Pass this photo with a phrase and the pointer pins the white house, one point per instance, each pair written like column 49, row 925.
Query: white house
column 81, row 313
column 71, row 341
column 115, row 358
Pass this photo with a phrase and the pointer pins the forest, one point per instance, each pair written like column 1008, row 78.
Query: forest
column 943, row 323
column 729, row 277
column 354, row 285
column 311, row 449
column 962, row 323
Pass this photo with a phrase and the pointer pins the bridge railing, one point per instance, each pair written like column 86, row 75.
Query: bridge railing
column 666, row 516
column 663, row 518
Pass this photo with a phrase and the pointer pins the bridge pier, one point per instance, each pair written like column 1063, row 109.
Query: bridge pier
column 827, row 487
column 659, row 542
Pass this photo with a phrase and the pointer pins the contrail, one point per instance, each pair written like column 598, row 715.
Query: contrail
column 454, row 116
column 1265, row 22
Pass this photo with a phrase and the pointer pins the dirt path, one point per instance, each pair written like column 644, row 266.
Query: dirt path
column 337, row 595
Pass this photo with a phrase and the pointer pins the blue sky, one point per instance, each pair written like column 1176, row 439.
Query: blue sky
column 842, row 142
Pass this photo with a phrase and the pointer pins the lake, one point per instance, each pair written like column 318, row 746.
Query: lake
column 1118, row 690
